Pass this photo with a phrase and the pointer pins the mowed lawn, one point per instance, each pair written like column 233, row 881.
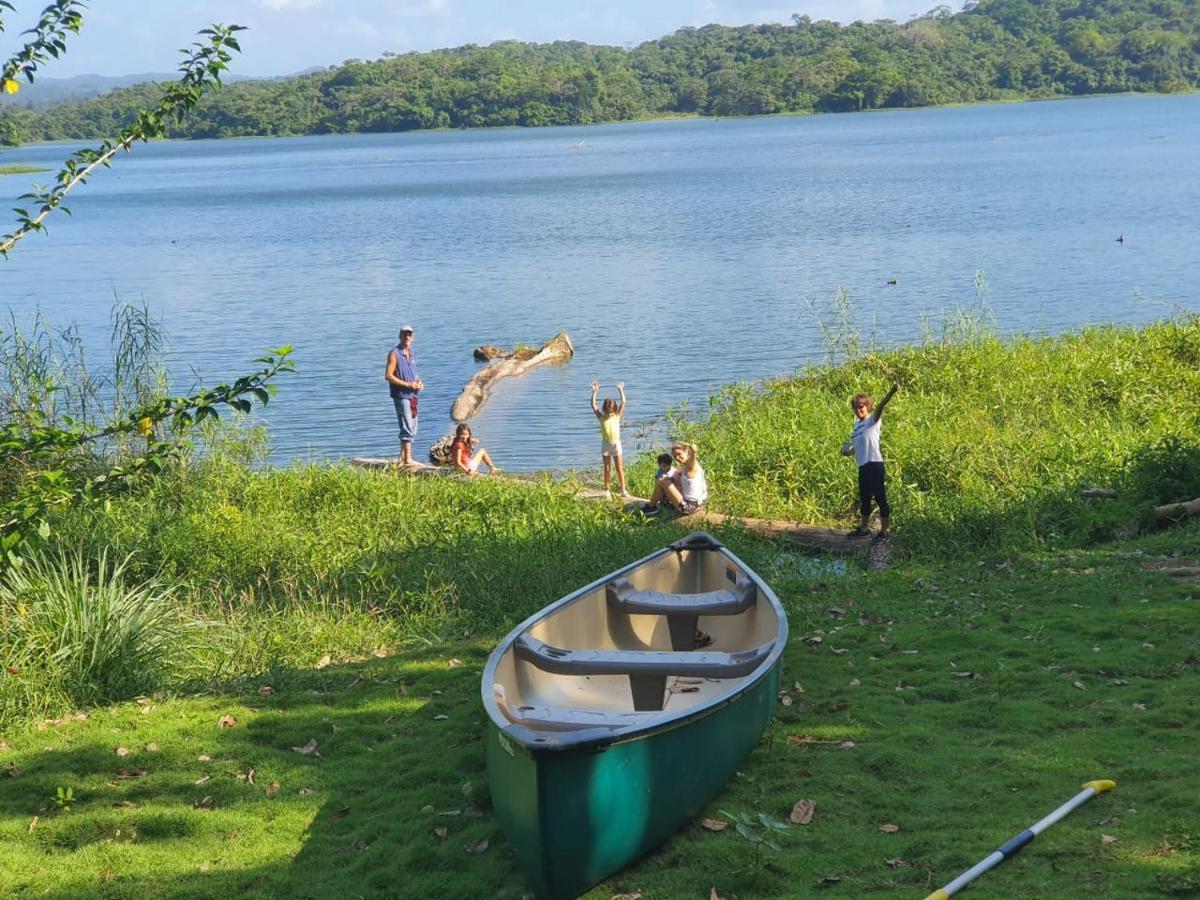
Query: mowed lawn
column 955, row 704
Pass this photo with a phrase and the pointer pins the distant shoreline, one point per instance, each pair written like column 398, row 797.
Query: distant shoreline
column 676, row 117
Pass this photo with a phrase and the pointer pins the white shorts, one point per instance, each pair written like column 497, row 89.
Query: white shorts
column 610, row 448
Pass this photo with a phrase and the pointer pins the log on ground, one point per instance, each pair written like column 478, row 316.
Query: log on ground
column 479, row 388
column 815, row 536
column 1172, row 511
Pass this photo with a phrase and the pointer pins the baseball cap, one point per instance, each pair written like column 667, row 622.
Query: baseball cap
column 406, row 329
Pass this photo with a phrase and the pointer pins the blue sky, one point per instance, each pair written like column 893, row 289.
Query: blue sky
column 133, row 36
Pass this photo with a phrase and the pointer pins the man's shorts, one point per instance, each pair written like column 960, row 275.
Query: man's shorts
column 406, row 416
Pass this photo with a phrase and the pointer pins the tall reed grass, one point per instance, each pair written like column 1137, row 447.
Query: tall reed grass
column 80, row 630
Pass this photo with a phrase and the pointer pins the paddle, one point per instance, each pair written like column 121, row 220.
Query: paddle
column 1090, row 790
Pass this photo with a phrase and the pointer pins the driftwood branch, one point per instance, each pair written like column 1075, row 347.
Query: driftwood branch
column 479, row 388
column 1101, row 493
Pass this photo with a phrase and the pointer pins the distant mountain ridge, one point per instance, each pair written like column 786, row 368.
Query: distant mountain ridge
column 992, row 50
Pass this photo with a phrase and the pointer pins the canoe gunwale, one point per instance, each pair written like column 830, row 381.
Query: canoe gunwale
column 539, row 742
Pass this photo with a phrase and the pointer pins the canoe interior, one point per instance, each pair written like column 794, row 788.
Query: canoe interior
column 540, row 700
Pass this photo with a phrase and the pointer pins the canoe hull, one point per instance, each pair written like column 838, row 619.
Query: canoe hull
column 575, row 817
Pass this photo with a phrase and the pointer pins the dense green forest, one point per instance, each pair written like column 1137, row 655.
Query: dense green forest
column 992, row 49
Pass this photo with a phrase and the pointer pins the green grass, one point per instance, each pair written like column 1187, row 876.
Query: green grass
column 21, row 170
column 350, row 592
column 987, row 442
column 960, row 763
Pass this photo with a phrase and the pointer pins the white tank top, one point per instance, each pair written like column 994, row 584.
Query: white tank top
column 694, row 488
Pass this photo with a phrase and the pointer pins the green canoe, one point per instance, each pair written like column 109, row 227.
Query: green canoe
column 618, row 712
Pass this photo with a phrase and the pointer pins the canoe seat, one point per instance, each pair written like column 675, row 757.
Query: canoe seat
column 681, row 610
column 648, row 670
column 565, row 718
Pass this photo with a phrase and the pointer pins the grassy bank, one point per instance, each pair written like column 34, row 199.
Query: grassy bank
column 977, row 696
column 987, row 443
column 1024, row 640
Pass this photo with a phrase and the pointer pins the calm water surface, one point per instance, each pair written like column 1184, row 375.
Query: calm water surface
column 680, row 255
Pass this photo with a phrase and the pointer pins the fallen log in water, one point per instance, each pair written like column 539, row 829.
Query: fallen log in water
column 479, row 388
column 1172, row 511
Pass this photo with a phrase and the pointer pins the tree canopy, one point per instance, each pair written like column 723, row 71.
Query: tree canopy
column 991, row 50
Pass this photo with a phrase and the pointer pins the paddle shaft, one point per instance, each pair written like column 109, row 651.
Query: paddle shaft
column 1090, row 790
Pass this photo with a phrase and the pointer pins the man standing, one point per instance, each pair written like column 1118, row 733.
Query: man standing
column 404, row 384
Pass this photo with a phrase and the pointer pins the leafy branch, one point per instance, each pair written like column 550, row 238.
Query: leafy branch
column 42, row 467
column 49, row 40
column 201, row 68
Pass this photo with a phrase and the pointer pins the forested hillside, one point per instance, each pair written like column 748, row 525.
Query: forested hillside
column 993, row 49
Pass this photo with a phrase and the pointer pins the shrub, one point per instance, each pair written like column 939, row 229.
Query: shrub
column 84, row 632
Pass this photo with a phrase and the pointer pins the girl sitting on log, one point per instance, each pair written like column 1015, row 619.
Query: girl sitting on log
column 465, row 457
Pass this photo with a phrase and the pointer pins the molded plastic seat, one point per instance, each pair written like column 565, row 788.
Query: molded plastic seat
column 622, row 594
column 691, row 663
column 648, row 670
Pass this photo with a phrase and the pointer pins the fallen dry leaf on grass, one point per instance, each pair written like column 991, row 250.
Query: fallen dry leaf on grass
column 131, row 773
column 203, row 779
column 829, row 879
column 206, row 803
column 847, row 745
column 340, row 813
column 455, row 663
column 226, row 722
column 266, row 690
column 889, row 828
column 896, row 863
column 477, row 846
column 203, row 757
column 802, row 812
column 440, row 718
column 784, row 699
column 714, row 824
column 307, row 748
column 713, row 895
column 305, row 792
column 467, row 789
column 1078, row 685
column 272, row 789
column 121, row 751
column 152, row 748
column 854, row 682
column 636, row 895
column 32, row 824
column 12, row 771
column 1141, row 707
column 440, row 832
column 803, row 773
column 324, row 662
column 1107, row 839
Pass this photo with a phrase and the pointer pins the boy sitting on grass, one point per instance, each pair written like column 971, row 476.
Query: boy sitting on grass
column 863, row 445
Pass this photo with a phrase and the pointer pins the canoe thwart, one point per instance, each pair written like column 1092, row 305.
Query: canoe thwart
column 690, row 664
column 724, row 602
column 648, row 670
column 682, row 610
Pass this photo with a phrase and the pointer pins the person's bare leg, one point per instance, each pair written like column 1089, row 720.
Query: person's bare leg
column 607, row 470
column 406, row 453
column 660, row 491
column 482, row 456
column 621, row 476
column 673, row 496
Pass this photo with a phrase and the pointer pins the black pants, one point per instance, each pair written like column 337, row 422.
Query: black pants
column 870, row 487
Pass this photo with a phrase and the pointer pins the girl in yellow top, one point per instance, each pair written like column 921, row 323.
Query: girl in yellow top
column 609, row 414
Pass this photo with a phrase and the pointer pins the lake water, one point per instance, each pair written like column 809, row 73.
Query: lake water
column 679, row 255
